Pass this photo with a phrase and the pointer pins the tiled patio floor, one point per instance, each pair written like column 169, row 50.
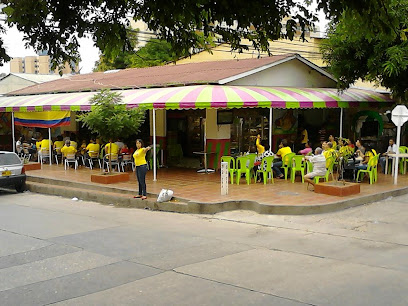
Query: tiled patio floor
column 205, row 188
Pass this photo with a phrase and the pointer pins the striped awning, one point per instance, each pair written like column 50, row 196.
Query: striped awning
column 205, row 96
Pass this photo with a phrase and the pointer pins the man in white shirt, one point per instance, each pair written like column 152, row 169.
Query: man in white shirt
column 392, row 148
column 120, row 144
column 319, row 165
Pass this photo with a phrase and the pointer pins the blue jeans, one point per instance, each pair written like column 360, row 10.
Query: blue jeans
column 276, row 167
column 362, row 167
column 141, row 178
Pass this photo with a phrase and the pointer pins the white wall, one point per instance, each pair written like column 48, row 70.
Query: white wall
column 214, row 131
column 290, row 74
column 11, row 83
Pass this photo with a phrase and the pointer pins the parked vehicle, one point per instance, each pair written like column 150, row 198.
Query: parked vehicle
column 12, row 172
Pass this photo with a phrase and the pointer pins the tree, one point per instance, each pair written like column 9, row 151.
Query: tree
column 371, row 45
column 56, row 25
column 156, row 52
column 110, row 118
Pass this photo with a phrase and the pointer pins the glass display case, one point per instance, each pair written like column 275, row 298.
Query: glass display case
column 247, row 125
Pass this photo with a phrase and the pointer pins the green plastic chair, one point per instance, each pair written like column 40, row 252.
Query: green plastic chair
column 329, row 170
column 241, row 167
column 309, row 166
column 252, row 158
column 371, row 169
column 231, row 166
column 402, row 149
column 287, row 163
column 158, row 152
column 298, row 164
column 404, row 160
column 267, row 162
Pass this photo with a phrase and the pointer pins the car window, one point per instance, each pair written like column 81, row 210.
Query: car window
column 7, row 159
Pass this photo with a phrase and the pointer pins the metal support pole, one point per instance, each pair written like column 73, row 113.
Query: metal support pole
column 341, row 123
column 154, row 146
column 49, row 148
column 13, row 133
column 270, row 133
column 270, row 128
column 397, row 155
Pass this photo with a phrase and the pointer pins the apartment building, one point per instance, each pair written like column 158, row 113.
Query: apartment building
column 40, row 64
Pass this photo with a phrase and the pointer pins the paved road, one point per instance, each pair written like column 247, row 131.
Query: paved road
column 56, row 250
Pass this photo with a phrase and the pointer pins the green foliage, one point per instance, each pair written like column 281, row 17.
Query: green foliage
column 156, row 52
column 110, row 118
column 371, row 44
column 56, row 25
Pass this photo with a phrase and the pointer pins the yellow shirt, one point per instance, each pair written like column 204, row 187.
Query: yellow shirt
column 59, row 144
column 68, row 150
column 334, row 147
column 115, row 148
column 38, row 145
column 328, row 153
column 259, row 147
column 370, row 155
column 305, row 137
column 140, row 157
column 283, row 151
column 74, row 144
column 45, row 144
column 94, row 147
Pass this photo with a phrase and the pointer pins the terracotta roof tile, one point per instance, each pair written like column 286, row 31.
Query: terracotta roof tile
column 159, row 76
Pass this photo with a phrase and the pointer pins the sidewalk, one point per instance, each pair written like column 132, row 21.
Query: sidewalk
column 200, row 193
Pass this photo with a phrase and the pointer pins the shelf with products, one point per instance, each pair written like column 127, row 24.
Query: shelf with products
column 245, row 129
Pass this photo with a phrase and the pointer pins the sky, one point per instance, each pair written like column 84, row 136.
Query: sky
column 13, row 41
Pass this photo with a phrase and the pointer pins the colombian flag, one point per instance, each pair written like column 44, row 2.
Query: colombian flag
column 43, row 119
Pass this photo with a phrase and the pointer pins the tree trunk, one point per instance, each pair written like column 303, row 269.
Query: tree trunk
column 110, row 157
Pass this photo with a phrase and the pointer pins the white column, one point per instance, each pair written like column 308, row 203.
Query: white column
column 341, row 123
column 397, row 157
column 154, row 145
column 13, row 133
column 224, row 178
column 49, row 148
column 270, row 128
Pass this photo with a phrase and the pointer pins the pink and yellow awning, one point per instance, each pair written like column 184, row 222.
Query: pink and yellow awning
column 204, row 96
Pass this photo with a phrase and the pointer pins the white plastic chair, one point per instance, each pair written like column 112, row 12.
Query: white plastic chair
column 26, row 155
column 114, row 160
column 58, row 155
column 127, row 160
column 70, row 159
column 94, row 156
column 43, row 155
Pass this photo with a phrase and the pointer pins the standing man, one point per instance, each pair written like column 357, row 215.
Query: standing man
column 392, row 148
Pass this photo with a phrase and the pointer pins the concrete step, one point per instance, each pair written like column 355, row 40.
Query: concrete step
column 118, row 199
column 81, row 185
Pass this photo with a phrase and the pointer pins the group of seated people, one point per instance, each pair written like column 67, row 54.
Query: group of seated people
column 356, row 153
column 64, row 146
column 111, row 150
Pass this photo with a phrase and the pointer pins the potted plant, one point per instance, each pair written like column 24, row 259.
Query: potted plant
column 110, row 118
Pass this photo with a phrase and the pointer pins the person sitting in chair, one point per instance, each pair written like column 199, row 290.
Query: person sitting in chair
column 68, row 149
column 392, row 148
column 319, row 165
column 258, row 159
column 369, row 153
column 283, row 150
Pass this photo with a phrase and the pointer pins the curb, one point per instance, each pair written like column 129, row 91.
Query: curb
column 124, row 198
